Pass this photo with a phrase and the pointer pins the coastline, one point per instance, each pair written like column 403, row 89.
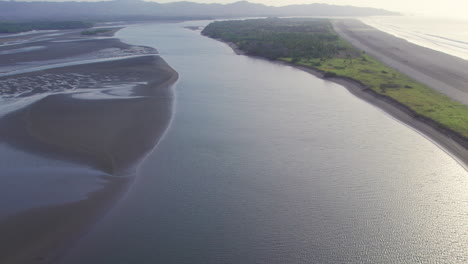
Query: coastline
column 449, row 141
column 443, row 138
column 106, row 115
column 442, row 72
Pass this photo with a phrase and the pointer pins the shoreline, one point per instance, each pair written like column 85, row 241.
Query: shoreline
column 108, row 115
column 457, row 149
column 401, row 113
column 442, row 72
column 97, row 131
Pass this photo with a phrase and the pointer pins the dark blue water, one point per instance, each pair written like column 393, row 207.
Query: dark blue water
column 264, row 163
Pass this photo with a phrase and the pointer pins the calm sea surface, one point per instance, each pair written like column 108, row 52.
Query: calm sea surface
column 264, row 163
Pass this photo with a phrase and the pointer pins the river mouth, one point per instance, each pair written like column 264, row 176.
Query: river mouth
column 264, row 163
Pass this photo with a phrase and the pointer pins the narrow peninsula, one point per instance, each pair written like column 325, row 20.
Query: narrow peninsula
column 313, row 45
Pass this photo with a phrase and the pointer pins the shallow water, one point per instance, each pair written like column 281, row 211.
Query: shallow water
column 264, row 163
column 30, row 181
column 20, row 50
column 36, row 179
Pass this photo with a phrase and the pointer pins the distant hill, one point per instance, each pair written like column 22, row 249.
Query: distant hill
column 141, row 10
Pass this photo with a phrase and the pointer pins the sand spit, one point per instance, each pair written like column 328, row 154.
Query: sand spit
column 442, row 72
column 450, row 141
column 107, row 115
column 111, row 133
column 453, row 143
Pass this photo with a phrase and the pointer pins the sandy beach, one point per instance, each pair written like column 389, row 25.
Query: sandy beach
column 106, row 115
column 442, row 72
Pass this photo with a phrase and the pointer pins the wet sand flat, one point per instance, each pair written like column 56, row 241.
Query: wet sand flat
column 33, row 50
column 111, row 132
column 106, row 115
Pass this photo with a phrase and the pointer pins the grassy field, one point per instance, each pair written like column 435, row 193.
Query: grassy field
column 313, row 43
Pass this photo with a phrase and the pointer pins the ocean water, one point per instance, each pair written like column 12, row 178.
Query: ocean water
column 267, row 164
column 445, row 35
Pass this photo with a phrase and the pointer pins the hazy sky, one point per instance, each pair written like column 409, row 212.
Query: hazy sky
column 430, row 7
column 446, row 8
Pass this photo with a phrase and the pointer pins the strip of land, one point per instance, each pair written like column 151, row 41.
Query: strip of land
column 105, row 115
column 453, row 144
column 312, row 45
column 442, row 72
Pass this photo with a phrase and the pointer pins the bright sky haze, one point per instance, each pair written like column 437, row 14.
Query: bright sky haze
column 446, row 8
column 442, row 8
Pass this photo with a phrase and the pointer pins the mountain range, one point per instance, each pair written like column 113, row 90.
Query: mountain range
column 141, row 10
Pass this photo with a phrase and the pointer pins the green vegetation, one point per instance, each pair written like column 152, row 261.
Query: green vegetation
column 95, row 31
column 10, row 27
column 274, row 38
column 313, row 43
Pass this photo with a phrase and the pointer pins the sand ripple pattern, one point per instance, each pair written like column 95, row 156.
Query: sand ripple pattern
column 117, row 52
column 21, row 86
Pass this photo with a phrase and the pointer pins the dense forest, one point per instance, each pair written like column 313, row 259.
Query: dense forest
column 275, row 38
column 10, row 27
